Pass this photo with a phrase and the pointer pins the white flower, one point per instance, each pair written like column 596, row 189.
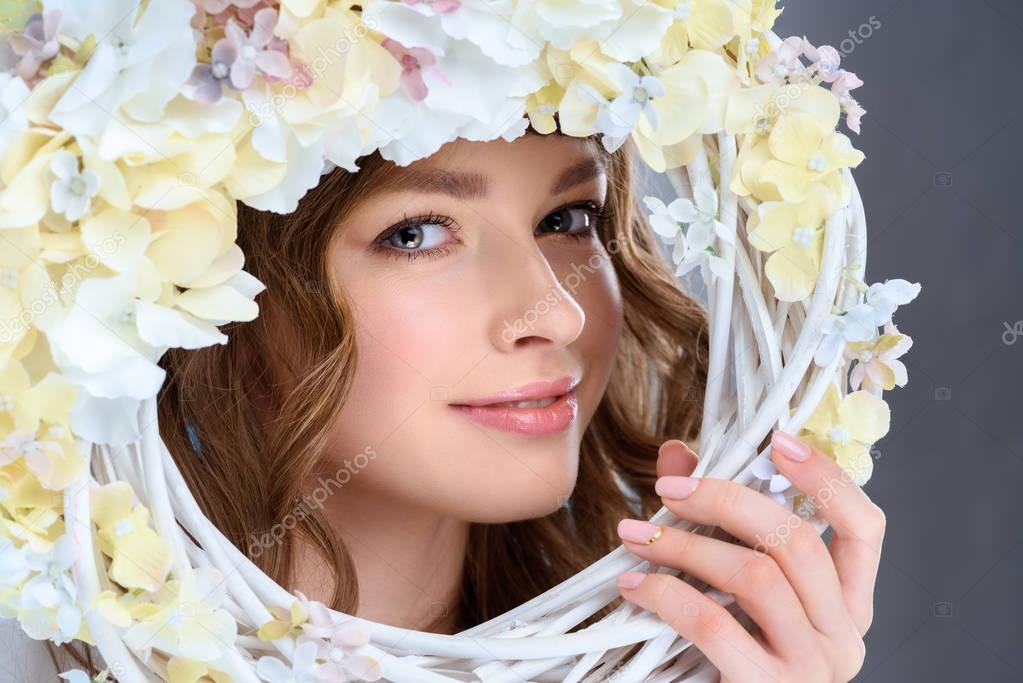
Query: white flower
column 487, row 24
column 72, row 192
column 76, row 676
column 13, row 93
column 468, row 94
column 79, row 676
column 617, row 118
column 564, row 23
column 887, row 296
column 273, row 670
column 14, row 567
column 47, row 605
column 141, row 62
column 779, row 488
column 860, row 323
column 855, row 325
column 694, row 247
column 98, row 345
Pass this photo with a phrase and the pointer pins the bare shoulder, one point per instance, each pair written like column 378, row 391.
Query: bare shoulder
column 23, row 659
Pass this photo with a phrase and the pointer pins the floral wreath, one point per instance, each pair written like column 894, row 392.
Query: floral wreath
column 128, row 132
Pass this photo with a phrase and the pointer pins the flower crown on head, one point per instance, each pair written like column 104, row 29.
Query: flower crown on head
column 128, row 132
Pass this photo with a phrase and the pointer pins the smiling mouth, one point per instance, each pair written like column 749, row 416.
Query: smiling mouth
column 534, row 403
column 535, row 417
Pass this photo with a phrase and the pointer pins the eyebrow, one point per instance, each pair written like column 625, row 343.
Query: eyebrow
column 467, row 185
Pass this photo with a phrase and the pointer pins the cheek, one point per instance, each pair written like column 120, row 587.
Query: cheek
column 406, row 347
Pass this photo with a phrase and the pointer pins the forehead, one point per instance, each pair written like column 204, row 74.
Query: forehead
column 468, row 169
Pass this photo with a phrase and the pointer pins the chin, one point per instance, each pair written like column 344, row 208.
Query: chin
column 521, row 490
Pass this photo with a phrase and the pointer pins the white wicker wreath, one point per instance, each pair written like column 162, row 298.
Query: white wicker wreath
column 790, row 314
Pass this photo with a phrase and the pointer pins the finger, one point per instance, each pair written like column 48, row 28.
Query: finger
column 675, row 457
column 707, row 624
column 768, row 528
column 757, row 582
column 858, row 523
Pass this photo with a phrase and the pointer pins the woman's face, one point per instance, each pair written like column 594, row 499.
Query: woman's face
column 480, row 274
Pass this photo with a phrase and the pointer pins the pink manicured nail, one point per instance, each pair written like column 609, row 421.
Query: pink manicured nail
column 638, row 531
column 675, row 487
column 791, row 447
column 630, row 580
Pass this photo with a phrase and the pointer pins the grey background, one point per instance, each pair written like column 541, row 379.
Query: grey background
column 942, row 185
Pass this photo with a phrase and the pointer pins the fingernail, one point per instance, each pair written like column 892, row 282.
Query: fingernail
column 675, row 486
column 791, row 447
column 630, row 580
column 638, row 531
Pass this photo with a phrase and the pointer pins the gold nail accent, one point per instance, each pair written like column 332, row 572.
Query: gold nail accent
column 653, row 538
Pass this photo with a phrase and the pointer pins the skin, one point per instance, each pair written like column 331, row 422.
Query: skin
column 812, row 602
column 433, row 331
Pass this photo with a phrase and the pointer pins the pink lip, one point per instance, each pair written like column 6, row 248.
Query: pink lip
column 527, row 392
column 526, row 421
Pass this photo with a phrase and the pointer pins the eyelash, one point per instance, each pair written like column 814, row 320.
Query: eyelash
column 600, row 210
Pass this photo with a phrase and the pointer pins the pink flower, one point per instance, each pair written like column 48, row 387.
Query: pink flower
column 412, row 61
column 777, row 65
column 339, row 644
column 841, row 86
column 219, row 6
column 36, row 44
column 825, row 58
column 438, row 6
column 853, row 113
column 250, row 54
column 844, row 82
column 209, row 79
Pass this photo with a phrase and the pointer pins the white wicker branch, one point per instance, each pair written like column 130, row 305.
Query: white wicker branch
column 765, row 346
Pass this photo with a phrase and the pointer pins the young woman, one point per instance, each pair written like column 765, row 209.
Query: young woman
column 471, row 378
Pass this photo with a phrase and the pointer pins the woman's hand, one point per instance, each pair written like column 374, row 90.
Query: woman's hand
column 812, row 602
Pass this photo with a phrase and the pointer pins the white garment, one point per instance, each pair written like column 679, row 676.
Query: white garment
column 26, row 660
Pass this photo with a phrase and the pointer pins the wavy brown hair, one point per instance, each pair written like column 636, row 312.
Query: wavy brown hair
column 247, row 471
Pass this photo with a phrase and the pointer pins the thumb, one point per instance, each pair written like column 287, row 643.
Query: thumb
column 675, row 458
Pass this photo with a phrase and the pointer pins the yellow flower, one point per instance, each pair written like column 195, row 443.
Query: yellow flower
column 115, row 608
column 285, row 621
column 185, row 619
column 706, row 24
column 29, row 513
column 753, row 113
column 753, row 19
column 18, row 250
column 141, row 559
column 184, row 670
column 34, row 420
column 756, row 109
column 805, row 152
column 15, row 13
column 793, row 233
column 846, row 428
column 541, row 106
column 877, row 365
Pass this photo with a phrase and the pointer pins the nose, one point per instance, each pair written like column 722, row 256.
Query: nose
column 533, row 307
